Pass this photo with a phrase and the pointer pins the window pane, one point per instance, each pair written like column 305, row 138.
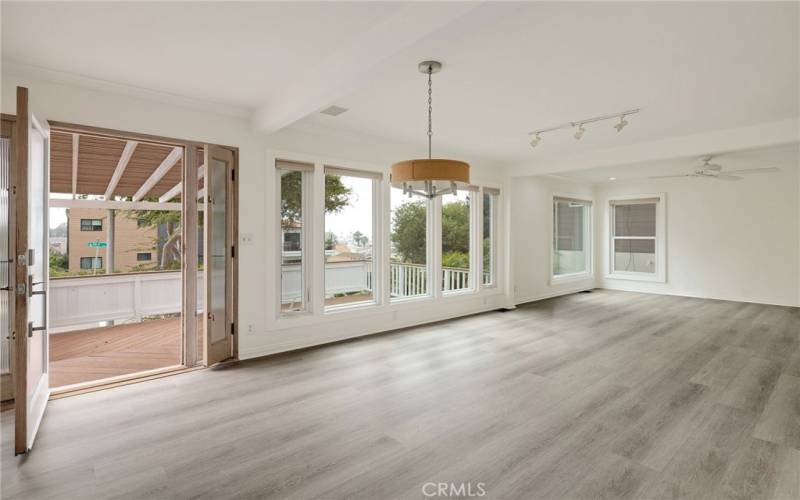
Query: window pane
column 348, row 240
column 455, row 241
column 489, row 215
column 635, row 219
column 292, row 238
column 635, row 256
column 570, row 235
column 408, row 274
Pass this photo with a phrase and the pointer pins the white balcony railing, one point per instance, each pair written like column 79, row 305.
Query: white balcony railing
column 84, row 300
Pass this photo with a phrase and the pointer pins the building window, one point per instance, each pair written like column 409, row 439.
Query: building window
column 91, row 225
column 457, row 240
column 91, row 263
column 350, row 237
column 144, row 256
column 409, row 262
column 637, row 243
column 572, row 244
column 293, row 185
column 489, row 240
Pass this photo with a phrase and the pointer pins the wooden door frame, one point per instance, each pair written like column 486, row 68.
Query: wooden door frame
column 189, row 177
column 7, row 382
column 18, row 180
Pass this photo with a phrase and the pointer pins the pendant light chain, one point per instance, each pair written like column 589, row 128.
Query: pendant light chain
column 430, row 109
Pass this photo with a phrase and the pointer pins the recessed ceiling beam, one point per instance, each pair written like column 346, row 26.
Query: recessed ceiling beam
column 124, row 158
column 176, row 190
column 169, row 162
column 353, row 65
column 75, row 143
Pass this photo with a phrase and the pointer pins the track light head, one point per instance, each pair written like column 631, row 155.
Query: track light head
column 536, row 140
column 622, row 122
column 579, row 131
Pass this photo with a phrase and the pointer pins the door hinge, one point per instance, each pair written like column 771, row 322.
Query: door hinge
column 233, row 175
column 233, row 330
column 233, row 251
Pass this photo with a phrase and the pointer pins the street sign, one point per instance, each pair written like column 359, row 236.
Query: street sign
column 97, row 244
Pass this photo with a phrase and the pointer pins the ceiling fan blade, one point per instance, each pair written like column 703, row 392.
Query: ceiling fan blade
column 672, row 176
column 727, row 177
column 766, row 170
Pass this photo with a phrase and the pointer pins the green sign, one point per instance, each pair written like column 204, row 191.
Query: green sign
column 97, row 244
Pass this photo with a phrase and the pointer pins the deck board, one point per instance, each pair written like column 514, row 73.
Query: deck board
column 98, row 353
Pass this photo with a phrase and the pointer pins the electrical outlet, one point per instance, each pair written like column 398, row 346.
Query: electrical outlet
column 247, row 238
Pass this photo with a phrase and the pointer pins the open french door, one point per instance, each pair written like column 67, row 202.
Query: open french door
column 28, row 230
column 218, row 344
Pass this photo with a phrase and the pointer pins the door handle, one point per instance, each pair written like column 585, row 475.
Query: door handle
column 32, row 284
column 32, row 328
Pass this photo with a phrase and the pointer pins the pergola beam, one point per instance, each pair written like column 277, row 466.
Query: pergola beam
column 169, row 162
column 114, row 204
column 176, row 190
column 124, row 158
column 75, row 144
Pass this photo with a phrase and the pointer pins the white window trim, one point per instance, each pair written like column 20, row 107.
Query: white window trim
column 377, row 239
column 305, row 266
column 660, row 274
column 430, row 253
column 588, row 242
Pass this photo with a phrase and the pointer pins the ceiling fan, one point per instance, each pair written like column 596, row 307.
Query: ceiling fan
column 714, row 171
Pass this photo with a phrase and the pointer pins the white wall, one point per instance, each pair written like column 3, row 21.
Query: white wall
column 725, row 240
column 129, row 110
column 531, row 236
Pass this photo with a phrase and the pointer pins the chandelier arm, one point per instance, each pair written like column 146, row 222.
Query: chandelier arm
column 430, row 109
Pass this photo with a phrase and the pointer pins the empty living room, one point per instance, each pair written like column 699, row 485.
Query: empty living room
column 400, row 250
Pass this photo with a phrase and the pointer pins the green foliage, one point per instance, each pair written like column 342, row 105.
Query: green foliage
column 337, row 196
column 409, row 222
column 455, row 227
column 59, row 264
column 330, row 240
column 360, row 239
column 455, row 259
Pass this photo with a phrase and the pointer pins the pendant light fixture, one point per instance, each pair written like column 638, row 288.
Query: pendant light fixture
column 430, row 177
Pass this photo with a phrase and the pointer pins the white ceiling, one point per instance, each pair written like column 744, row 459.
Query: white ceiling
column 784, row 157
column 509, row 68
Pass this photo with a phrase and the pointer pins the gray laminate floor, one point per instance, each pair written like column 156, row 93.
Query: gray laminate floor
column 599, row 395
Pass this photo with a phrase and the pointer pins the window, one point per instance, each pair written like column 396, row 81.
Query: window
column 410, row 246
column 350, row 237
column 91, row 262
column 144, row 256
column 456, row 240
column 489, row 243
column 91, row 225
column 571, row 237
column 637, row 246
column 293, row 182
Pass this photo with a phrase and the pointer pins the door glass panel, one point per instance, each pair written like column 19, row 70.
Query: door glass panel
column 218, row 246
column 37, row 344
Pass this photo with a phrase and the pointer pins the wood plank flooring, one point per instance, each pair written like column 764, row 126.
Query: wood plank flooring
column 600, row 395
column 99, row 353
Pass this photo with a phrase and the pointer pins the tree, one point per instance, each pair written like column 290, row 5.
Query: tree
column 59, row 263
column 171, row 220
column 337, row 196
column 409, row 223
column 455, row 227
column 330, row 240
column 360, row 239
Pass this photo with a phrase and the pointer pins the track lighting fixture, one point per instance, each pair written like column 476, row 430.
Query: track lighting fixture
column 622, row 122
column 579, row 128
column 579, row 132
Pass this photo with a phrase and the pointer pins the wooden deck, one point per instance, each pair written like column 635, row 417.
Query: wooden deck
column 99, row 353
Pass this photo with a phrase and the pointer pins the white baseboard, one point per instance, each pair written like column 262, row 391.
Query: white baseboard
column 268, row 350
column 678, row 293
column 550, row 295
